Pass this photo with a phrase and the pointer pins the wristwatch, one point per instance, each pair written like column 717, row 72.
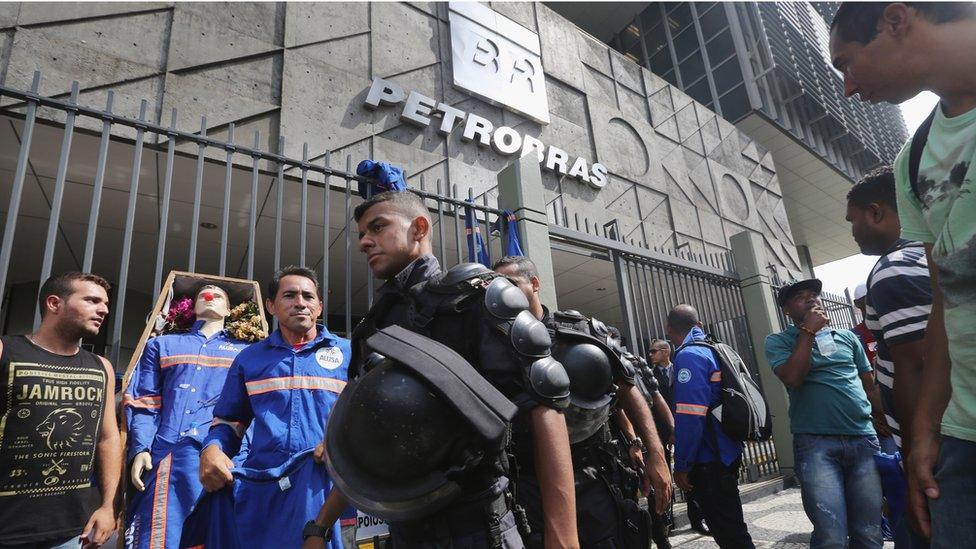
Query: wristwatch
column 636, row 442
column 315, row 530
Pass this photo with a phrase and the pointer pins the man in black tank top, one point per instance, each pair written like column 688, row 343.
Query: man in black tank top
column 57, row 423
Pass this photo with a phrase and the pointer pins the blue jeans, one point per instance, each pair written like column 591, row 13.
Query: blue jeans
column 840, row 488
column 954, row 511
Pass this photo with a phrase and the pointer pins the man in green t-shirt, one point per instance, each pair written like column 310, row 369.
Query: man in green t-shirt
column 834, row 403
column 890, row 52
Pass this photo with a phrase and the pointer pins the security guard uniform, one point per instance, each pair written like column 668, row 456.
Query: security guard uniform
column 482, row 317
column 607, row 511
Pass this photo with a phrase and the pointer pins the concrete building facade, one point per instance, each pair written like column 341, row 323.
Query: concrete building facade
column 679, row 176
column 642, row 187
column 765, row 66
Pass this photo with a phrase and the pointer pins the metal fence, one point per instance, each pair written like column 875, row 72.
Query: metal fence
column 135, row 223
column 286, row 210
column 654, row 287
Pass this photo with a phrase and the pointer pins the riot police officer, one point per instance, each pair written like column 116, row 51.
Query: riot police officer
column 482, row 317
column 600, row 380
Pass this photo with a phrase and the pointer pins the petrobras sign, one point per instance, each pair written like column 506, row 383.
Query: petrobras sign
column 498, row 60
column 422, row 111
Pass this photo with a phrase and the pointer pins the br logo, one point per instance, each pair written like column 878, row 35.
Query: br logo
column 498, row 60
column 488, row 55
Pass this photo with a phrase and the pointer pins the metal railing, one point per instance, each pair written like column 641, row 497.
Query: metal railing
column 654, row 287
column 273, row 177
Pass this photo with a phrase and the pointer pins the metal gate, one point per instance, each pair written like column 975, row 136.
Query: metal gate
column 172, row 189
column 138, row 224
column 650, row 287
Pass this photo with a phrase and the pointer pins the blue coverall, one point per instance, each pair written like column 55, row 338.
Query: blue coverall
column 168, row 408
column 698, row 436
column 285, row 395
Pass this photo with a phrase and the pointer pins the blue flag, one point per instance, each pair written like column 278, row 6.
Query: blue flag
column 513, row 246
column 476, row 245
column 388, row 178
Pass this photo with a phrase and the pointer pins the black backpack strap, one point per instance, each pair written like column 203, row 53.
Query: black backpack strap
column 915, row 151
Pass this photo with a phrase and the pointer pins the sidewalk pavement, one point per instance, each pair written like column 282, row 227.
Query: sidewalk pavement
column 775, row 520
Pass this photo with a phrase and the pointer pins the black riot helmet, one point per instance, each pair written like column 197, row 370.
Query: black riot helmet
column 401, row 433
column 590, row 365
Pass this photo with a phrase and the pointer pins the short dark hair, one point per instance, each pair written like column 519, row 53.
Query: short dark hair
column 876, row 186
column 60, row 285
column 659, row 342
column 291, row 270
column 858, row 21
column 683, row 317
column 405, row 202
column 524, row 266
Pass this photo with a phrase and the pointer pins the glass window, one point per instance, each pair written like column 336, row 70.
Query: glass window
column 692, row 68
column 727, row 76
column 651, row 16
column 735, row 104
column 680, row 17
column 628, row 38
column 661, row 62
column 685, row 43
column 669, row 76
column 720, row 48
column 655, row 39
column 702, row 7
column 699, row 91
column 635, row 54
column 712, row 21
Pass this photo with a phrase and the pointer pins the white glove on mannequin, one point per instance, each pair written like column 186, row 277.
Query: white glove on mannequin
column 140, row 464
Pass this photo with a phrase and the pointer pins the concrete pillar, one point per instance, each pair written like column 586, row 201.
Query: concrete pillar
column 761, row 314
column 520, row 190
column 806, row 262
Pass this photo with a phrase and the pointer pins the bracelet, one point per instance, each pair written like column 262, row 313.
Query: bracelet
column 808, row 330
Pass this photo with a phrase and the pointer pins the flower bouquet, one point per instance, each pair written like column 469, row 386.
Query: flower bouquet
column 180, row 317
column 244, row 322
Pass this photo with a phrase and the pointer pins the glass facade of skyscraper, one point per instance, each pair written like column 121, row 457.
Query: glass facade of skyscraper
column 769, row 58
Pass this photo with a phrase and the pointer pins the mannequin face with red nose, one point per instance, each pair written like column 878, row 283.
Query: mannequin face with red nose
column 211, row 304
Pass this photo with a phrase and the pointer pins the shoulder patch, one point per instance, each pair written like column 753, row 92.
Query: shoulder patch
column 684, row 375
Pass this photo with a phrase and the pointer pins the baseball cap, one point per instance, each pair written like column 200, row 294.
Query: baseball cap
column 788, row 291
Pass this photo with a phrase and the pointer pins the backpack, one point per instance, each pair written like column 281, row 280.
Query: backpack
column 742, row 410
column 915, row 151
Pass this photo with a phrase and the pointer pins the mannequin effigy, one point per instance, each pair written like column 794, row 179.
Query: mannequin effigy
column 169, row 407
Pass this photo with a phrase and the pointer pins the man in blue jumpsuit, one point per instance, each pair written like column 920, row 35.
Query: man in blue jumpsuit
column 705, row 458
column 169, row 407
column 284, row 388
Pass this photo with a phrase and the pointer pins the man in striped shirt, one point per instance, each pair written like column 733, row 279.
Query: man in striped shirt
column 899, row 295
column 898, row 302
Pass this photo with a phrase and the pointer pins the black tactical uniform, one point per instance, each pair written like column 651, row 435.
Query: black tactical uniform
column 607, row 513
column 482, row 317
column 649, row 385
